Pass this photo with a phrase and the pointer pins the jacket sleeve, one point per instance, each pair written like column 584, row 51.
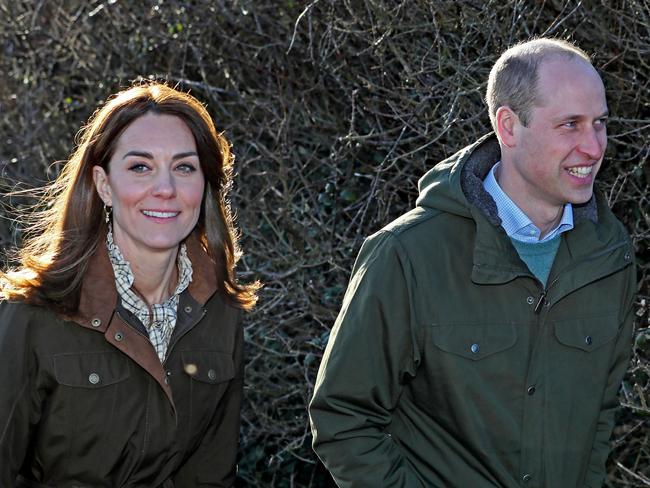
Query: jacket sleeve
column 596, row 470
column 19, row 397
column 371, row 350
column 213, row 464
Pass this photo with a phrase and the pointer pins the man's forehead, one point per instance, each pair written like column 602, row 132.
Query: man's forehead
column 564, row 70
column 566, row 82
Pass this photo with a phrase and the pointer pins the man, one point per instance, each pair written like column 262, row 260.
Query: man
column 484, row 334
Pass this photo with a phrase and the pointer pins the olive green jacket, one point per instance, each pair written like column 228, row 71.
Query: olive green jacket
column 451, row 365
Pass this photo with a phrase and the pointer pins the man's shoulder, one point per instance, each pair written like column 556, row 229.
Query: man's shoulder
column 419, row 229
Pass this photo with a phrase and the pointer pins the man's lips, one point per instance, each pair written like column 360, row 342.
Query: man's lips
column 581, row 171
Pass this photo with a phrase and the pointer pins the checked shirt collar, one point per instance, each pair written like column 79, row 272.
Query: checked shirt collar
column 160, row 319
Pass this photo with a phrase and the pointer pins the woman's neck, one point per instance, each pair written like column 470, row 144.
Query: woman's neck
column 155, row 277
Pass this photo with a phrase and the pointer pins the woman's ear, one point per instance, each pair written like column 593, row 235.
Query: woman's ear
column 102, row 185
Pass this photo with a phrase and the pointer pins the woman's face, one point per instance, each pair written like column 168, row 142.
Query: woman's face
column 155, row 185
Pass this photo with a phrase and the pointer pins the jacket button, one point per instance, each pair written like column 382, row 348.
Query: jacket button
column 530, row 300
column 119, row 336
column 588, row 340
column 531, row 390
column 187, row 309
column 93, row 378
column 474, row 348
column 96, row 322
column 526, row 478
column 212, row 374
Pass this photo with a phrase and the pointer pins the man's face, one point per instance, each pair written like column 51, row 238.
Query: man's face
column 556, row 158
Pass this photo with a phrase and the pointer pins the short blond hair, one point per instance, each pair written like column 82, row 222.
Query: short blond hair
column 514, row 77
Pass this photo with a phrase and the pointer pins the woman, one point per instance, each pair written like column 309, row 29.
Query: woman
column 120, row 349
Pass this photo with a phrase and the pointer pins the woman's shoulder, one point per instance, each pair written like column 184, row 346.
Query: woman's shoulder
column 14, row 313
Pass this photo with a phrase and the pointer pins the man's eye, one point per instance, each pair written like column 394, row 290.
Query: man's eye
column 602, row 122
column 571, row 124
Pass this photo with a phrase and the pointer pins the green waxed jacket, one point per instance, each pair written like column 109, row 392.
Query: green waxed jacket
column 85, row 401
column 451, row 365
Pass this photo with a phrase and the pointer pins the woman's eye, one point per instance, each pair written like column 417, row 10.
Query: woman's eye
column 138, row 167
column 186, row 168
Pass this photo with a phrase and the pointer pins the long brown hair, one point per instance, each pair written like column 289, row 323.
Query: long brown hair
column 68, row 226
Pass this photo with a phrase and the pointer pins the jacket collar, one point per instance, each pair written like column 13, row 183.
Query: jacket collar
column 597, row 233
column 99, row 296
column 477, row 162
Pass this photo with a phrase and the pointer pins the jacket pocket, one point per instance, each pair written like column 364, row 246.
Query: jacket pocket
column 207, row 374
column 587, row 334
column 90, row 370
column 208, row 366
column 474, row 341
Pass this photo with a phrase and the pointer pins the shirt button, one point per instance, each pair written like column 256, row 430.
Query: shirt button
column 212, row 374
column 531, row 390
column 119, row 336
column 475, row 348
column 96, row 322
column 526, row 478
column 588, row 340
column 530, row 300
column 93, row 378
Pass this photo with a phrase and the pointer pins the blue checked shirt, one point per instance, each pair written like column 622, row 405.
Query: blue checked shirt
column 515, row 222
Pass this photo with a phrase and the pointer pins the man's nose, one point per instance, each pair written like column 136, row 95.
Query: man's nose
column 593, row 142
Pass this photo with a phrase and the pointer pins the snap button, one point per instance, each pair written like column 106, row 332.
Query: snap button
column 212, row 374
column 588, row 340
column 627, row 256
column 166, row 380
column 187, row 309
column 119, row 336
column 95, row 322
column 93, row 378
column 168, row 373
column 474, row 348
column 526, row 478
column 531, row 390
column 530, row 300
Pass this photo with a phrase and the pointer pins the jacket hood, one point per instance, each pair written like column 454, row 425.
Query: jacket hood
column 457, row 182
column 455, row 185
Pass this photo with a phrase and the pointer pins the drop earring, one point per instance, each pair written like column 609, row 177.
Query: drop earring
column 107, row 213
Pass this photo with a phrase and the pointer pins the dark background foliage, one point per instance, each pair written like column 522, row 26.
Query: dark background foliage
column 335, row 109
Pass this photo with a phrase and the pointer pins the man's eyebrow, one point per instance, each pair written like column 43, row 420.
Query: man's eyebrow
column 148, row 155
column 581, row 116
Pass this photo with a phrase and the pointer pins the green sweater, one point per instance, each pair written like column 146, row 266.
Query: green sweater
column 538, row 256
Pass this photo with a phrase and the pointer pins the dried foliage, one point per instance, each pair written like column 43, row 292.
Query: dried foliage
column 335, row 108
